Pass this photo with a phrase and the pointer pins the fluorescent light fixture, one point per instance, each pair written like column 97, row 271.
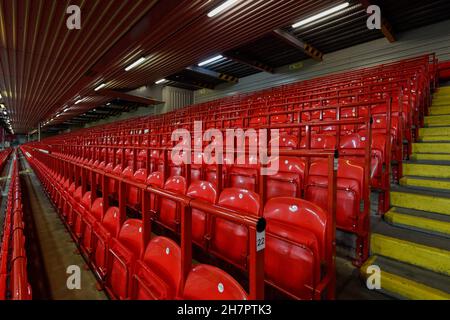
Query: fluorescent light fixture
column 66, row 109
column 100, row 87
column 1, row 96
column 321, row 15
column 108, row 104
column 5, row 113
column 161, row 81
column 224, row 6
column 58, row 115
column 135, row 64
column 203, row 63
column 78, row 101
column 2, row 106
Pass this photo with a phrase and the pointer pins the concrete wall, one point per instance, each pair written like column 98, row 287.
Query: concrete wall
column 432, row 38
column 174, row 98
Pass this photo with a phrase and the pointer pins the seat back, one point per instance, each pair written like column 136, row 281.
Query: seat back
column 206, row 282
column 229, row 239
column 288, row 181
column 206, row 191
column 169, row 212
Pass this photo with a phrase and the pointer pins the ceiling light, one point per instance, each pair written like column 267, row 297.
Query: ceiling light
column 221, row 8
column 161, row 81
column 100, row 87
column 135, row 64
column 66, row 109
column 108, row 104
column 5, row 113
column 203, row 63
column 78, row 101
column 321, row 15
column 2, row 106
column 1, row 96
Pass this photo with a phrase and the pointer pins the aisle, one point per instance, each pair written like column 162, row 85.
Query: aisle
column 52, row 248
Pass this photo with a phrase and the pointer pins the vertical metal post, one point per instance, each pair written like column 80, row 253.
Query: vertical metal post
column 39, row 132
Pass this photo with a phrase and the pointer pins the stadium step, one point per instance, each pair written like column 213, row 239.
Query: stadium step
column 418, row 182
column 436, row 121
column 439, row 110
column 426, row 251
column 434, row 131
column 410, row 244
column 423, row 221
column 404, row 281
column 427, row 169
column 431, row 147
column 421, row 200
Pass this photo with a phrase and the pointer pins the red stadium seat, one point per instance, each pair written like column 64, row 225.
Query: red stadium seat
column 230, row 240
column 124, row 251
column 169, row 214
column 295, row 246
column 206, row 191
column 206, row 282
column 158, row 274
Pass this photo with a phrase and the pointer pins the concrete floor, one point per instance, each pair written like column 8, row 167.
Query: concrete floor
column 51, row 248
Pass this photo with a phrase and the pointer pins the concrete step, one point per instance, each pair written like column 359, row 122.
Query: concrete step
column 436, row 202
column 426, row 183
column 420, row 169
column 431, row 147
column 422, row 221
column 439, row 110
column 430, row 157
column 445, row 139
column 403, row 281
column 426, row 251
column 434, row 131
column 433, row 121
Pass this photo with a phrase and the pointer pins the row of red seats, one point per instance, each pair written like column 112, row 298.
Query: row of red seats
column 13, row 258
column 304, row 246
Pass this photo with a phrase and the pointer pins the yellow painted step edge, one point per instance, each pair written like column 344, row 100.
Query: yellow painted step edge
column 417, row 222
column 425, row 183
column 426, row 170
column 434, row 259
column 420, row 202
column 403, row 287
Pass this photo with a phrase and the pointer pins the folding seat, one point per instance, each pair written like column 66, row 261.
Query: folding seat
column 350, row 181
column 123, row 253
column 157, row 276
column 245, row 176
column 73, row 204
column 205, row 191
column 169, row 212
column 206, row 282
column 295, row 245
column 288, row 180
column 134, row 194
column 89, row 220
column 101, row 237
column 79, row 212
column 229, row 240
column 155, row 179
column 113, row 184
column 197, row 168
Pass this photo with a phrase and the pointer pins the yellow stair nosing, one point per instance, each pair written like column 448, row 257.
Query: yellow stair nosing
column 436, row 226
column 421, row 202
column 430, row 258
column 404, row 287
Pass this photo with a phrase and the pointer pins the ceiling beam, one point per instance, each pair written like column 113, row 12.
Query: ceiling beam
column 386, row 27
column 193, row 83
column 299, row 44
column 128, row 97
column 252, row 63
column 214, row 74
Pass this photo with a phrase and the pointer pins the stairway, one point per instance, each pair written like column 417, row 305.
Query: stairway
column 411, row 244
